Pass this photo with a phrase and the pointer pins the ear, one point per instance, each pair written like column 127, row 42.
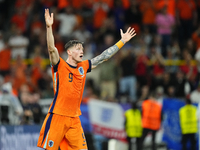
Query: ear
column 69, row 52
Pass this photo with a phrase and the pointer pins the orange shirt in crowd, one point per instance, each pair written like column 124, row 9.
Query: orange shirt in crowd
column 77, row 4
column 126, row 4
column 20, row 21
column 171, row 5
column 36, row 72
column 151, row 114
column 62, row 4
column 5, row 59
column 148, row 10
column 186, row 9
column 100, row 14
column 19, row 73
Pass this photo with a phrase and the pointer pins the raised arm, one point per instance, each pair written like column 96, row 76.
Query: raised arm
column 53, row 52
column 108, row 53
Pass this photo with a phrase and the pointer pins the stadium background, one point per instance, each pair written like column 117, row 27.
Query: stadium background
column 159, row 58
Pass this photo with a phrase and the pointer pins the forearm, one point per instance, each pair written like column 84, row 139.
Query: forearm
column 108, row 53
column 50, row 39
column 53, row 52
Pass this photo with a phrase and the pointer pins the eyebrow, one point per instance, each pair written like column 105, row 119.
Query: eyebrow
column 81, row 46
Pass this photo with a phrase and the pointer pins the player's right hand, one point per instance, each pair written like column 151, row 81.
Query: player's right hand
column 48, row 17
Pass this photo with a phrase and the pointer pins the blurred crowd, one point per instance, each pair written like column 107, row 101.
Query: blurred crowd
column 163, row 58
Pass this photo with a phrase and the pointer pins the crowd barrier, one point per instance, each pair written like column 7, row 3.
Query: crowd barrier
column 99, row 118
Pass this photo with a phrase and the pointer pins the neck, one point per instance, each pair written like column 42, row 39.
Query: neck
column 71, row 62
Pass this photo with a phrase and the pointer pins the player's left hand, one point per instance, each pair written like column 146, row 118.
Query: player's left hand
column 125, row 37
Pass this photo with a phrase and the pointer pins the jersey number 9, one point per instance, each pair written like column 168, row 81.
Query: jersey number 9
column 70, row 77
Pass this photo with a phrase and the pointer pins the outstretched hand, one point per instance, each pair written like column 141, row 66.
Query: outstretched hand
column 48, row 17
column 128, row 34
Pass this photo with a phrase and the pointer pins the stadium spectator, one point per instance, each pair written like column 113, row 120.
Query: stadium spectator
column 158, row 67
column 119, row 14
column 151, row 119
column 148, row 10
column 186, row 19
column 18, row 43
column 109, row 81
column 100, row 10
column 68, row 22
column 165, row 23
column 141, row 68
column 170, row 60
column 171, row 92
column 160, row 94
column 143, row 94
column 170, row 4
column 133, row 126
column 189, row 124
column 25, row 98
column 133, row 16
column 166, row 82
column 19, row 18
column 36, row 108
column 10, row 106
column 179, row 85
column 5, row 63
column 18, row 73
column 189, row 68
column 127, row 82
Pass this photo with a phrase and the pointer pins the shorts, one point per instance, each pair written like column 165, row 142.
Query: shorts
column 62, row 131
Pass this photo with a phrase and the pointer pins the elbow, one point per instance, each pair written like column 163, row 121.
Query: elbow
column 51, row 48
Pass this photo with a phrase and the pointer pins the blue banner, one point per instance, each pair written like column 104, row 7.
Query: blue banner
column 171, row 124
column 19, row 137
column 85, row 121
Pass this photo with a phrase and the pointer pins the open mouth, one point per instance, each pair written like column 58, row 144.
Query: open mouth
column 81, row 56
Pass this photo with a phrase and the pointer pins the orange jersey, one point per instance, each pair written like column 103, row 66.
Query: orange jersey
column 68, row 83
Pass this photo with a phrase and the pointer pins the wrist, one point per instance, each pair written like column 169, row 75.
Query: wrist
column 48, row 26
column 123, row 41
column 120, row 44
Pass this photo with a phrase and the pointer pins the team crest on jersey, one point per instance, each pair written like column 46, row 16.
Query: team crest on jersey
column 81, row 71
column 51, row 143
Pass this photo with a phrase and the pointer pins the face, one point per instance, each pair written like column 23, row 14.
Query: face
column 76, row 53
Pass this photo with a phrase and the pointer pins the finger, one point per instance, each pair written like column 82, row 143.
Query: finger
column 133, row 35
column 51, row 15
column 45, row 14
column 121, row 31
column 128, row 30
column 132, row 31
column 47, row 11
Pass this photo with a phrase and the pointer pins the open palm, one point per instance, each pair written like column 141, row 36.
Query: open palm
column 48, row 17
column 128, row 34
